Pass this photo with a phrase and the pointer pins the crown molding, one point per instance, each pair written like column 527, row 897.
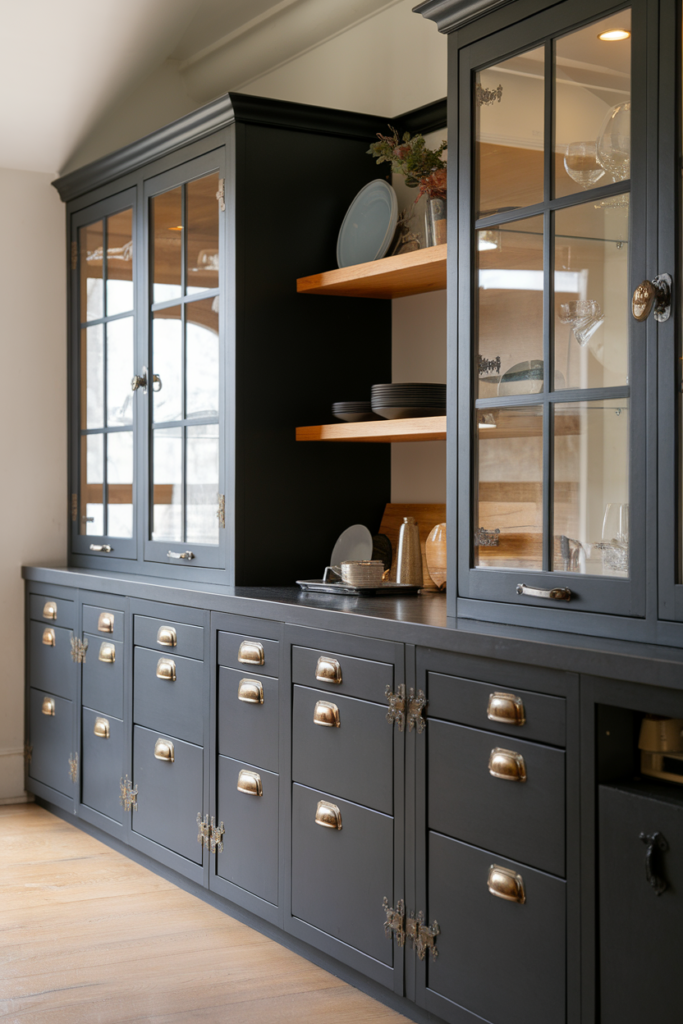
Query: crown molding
column 450, row 15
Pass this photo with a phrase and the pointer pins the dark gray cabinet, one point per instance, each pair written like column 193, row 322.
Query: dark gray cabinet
column 102, row 763
column 248, row 804
column 50, row 732
column 51, row 665
column 249, row 717
column 169, row 694
column 103, row 675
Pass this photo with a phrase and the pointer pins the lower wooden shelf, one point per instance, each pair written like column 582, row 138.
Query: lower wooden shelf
column 423, row 428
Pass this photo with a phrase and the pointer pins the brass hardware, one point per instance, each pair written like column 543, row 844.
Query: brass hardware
column 74, row 508
column 422, row 936
column 251, row 653
column 140, row 381
column 506, row 884
column 50, row 610
column 48, row 707
column 328, row 815
column 129, row 795
column 249, row 783
column 101, row 728
column 78, row 649
column 74, row 255
column 164, row 750
column 156, row 383
column 107, row 653
column 216, row 840
column 416, row 705
column 397, row 706
column 328, row 670
column 101, row 547
column 221, row 511
column 28, row 753
column 49, row 638
column 556, row 594
column 250, row 691
column 204, row 830
column 167, row 636
column 186, row 555
column 393, row 926
column 326, row 713
column 73, row 767
column 105, row 623
column 220, row 195
column 506, row 764
column 210, row 834
column 506, row 708
column 653, row 294
column 166, row 669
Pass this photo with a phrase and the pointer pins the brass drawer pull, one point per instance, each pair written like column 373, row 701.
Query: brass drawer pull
column 556, row 594
column 50, row 610
column 186, row 555
column 101, row 547
column 250, row 691
column 105, row 623
column 249, row 783
column 101, row 728
column 167, row 636
column 166, row 669
column 107, row 653
column 506, row 708
column 326, row 713
column 49, row 637
column 48, row 707
column 506, row 884
column 328, row 815
column 251, row 653
column 328, row 670
column 163, row 750
column 508, row 765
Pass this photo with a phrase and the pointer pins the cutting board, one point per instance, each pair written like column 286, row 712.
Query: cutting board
column 426, row 517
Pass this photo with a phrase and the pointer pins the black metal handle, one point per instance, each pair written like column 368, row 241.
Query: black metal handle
column 656, row 845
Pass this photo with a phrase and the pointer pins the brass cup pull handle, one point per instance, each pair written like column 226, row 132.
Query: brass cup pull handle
column 101, row 728
column 167, row 636
column 164, row 750
column 166, row 669
column 249, row 783
column 48, row 706
column 50, row 610
column 556, row 594
column 250, row 691
column 326, row 713
column 49, row 637
column 506, row 708
column 328, row 815
column 328, row 670
column 105, row 623
column 251, row 653
column 507, row 765
column 506, row 884
column 107, row 653
column 101, row 547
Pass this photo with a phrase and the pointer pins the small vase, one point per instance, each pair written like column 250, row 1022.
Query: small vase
column 435, row 221
column 409, row 559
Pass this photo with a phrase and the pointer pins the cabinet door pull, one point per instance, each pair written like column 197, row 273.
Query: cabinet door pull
column 328, row 815
column 251, row 653
column 250, row 691
column 556, row 594
column 139, row 381
column 506, row 884
column 326, row 713
column 166, row 669
column 328, row 670
column 48, row 707
column 49, row 637
column 105, row 623
column 655, row 293
column 167, row 636
column 164, row 750
column 101, row 728
column 656, row 845
column 506, row 708
column 249, row 783
column 107, row 653
column 50, row 610
column 101, row 547
column 187, row 555
column 508, row 765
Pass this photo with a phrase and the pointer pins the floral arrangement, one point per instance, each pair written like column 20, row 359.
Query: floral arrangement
column 423, row 168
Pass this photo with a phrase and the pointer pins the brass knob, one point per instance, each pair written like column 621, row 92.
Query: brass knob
column 163, row 750
column 139, row 380
column 506, row 708
column 49, row 637
column 506, row 764
column 328, row 815
column 250, row 691
column 167, row 636
column 50, row 610
column 655, row 293
column 328, row 670
column 506, row 884
column 101, row 547
column 251, row 653
column 107, row 653
column 326, row 713
column 166, row 669
column 101, row 728
column 249, row 783
column 48, row 707
column 105, row 623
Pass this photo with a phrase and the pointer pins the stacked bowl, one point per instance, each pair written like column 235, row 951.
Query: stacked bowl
column 400, row 401
column 352, row 412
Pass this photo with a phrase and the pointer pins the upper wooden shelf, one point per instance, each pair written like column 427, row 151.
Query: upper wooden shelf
column 394, row 277
column 423, row 428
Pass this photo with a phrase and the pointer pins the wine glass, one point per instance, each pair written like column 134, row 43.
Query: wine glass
column 584, row 315
column 582, row 165
column 615, row 536
column 614, row 142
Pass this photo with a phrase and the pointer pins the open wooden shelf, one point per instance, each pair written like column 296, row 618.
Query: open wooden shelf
column 394, row 277
column 423, row 428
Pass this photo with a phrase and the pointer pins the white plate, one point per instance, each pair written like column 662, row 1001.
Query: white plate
column 369, row 225
column 353, row 545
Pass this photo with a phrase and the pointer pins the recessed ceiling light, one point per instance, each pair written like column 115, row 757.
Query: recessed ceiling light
column 614, row 35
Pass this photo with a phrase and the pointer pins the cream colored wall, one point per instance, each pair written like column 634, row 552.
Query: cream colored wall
column 33, row 512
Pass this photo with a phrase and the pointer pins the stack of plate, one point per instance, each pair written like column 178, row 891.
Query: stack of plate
column 352, row 412
column 399, row 401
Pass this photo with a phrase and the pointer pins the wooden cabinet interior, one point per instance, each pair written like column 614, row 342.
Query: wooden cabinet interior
column 394, row 277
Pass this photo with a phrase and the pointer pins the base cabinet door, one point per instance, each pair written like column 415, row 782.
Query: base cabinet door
column 103, row 675
column 51, row 666
column 248, row 805
column 51, row 740
column 102, row 747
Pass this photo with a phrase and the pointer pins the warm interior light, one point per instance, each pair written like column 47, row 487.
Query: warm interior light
column 179, row 228
column 614, row 35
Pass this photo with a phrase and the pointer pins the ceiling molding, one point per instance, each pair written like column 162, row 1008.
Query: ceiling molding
column 450, row 15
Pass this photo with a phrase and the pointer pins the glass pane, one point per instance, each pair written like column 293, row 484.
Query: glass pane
column 92, row 479
column 591, row 489
column 119, row 372
column 202, row 484
column 202, row 234
column 167, row 478
column 510, row 309
column 120, row 484
column 167, row 228
column 167, row 364
column 92, row 377
column 202, row 358
column 508, row 107
column 592, row 295
column 508, row 521
column 593, row 105
column 91, row 248
column 120, row 262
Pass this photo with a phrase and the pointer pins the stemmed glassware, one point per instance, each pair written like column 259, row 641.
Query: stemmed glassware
column 584, row 316
column 582, row 165
column 615, row 536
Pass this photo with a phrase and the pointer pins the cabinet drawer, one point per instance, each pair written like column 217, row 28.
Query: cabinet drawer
column 51, row 740
column 169, row 637
column 340, row 876
column 173, row 705
column 52, row 610
column 250, row 844
column 248, row 725
column 358, row 677
column 103, row 621
column 500, row 959
column 236, row 650
column 169, row 793
column 102, row 763
column 51, row 665
column 102, row 677
column 467, row 701
column 524, row 820
column 353, row 760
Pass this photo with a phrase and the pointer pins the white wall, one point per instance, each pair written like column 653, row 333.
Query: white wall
column 33, row 512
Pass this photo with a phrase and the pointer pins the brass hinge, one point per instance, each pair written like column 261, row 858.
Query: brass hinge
column 397, row 706
column 394, row 922
column 210, row 834
column 422, row 937
column 73, row 767
column 221, row 511
column 28, row 753
column 78, row 649
column 74, row 255
column 74, row 508
column 416, row 705
column 220, row 195
column 129, row 795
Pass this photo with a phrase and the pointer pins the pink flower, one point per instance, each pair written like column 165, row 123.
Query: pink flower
column 434, row 185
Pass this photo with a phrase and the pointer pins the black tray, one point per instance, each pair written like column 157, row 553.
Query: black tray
column 318, row 587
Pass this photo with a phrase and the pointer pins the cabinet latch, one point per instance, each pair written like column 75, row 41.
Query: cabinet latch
column 397, row 706
column 395, row 920
column 423, row 937
column 210, row 834
column 129, row 795
column 73, row 767
column 78, row 649
column 417, row 702
column 220, row 195
column 221, row 511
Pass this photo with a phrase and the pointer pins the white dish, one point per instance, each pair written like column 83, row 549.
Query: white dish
column 353, row 545
column 369, row 225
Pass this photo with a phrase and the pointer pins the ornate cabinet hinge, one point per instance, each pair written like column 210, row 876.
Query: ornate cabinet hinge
column 74, row 255
column 397, row 706
column 78, row 649
column 74, row 508
column 129, row 795
column 416, row 705
column 210, row 834
column 422, row 937
column 221, row 511
column 73, row 767
column 394, row 922
column 28, row 753
column 220, row 195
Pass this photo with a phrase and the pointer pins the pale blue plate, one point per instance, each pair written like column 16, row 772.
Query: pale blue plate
column 369, row 225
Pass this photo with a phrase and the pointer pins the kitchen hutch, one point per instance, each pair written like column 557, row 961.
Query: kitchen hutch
column 448, row 799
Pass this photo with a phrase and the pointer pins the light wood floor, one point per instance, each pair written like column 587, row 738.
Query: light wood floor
column 89, row 937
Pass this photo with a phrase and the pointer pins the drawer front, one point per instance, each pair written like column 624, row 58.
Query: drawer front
column 51, row 666
column 102, row 677
column 169, row 637
column 250, row 844
column 248, row 728
column 171, row 705
column 169, row 793
column 359, row 676
column 467, row 701
column 235, row 646
column 502, row 960
column 353, row 760
column 103, row 622
column 340, row 876
column 524, row 820
column 51, row 740
column 53, row 609
column 102, row 763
